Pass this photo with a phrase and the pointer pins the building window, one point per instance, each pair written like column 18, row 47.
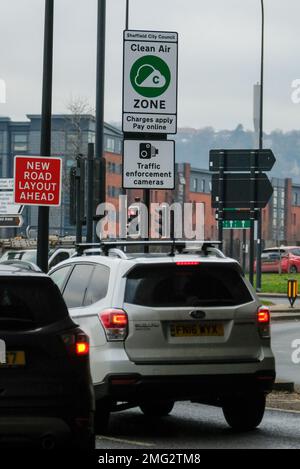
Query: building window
column 20, row 142
column 118, row 146
column 295, row 198
column 195, row 185
column 203, row 185
column 294, row 219
column 110, row 144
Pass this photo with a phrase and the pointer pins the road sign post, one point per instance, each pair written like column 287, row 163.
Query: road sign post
column 150, row 82
column 149, row 164
column 37, row 180
column 236, row 224
column 239, row 183
column 292, row 291
column 149, row 110
column 11, row 221
column 238, row 190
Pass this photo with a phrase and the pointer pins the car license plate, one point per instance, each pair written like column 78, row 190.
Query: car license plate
column 13, row 359
column 197, row 330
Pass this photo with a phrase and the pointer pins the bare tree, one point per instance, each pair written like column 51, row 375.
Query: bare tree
column 79, row 110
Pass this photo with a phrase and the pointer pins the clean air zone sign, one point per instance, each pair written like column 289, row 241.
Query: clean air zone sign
column 150, row 82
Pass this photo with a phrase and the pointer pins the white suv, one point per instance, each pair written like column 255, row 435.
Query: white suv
column 172, row 326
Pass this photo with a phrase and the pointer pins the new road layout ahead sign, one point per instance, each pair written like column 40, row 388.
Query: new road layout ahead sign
column 150, row 82
column 149, row 164
column 37, row 180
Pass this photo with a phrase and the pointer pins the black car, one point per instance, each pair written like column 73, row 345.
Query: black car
column 46, row 393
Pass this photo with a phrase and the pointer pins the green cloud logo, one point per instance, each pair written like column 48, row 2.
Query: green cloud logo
column 150, row 76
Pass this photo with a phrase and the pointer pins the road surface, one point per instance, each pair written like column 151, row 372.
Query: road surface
column 198, row 426
column 283, row 335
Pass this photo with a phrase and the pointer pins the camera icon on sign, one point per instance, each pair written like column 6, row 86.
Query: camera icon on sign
column 147, row 151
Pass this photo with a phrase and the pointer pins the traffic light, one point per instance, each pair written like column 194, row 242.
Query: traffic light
column 133, row 220
column 160, row 223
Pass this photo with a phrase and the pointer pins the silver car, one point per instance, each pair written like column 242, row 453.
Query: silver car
column 166, row 327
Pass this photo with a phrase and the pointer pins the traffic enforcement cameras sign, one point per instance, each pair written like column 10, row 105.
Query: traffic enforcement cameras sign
column 150, row 82
column 37, row 180
column 148, row 164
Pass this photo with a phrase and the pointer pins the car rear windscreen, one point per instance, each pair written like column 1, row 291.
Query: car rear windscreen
column 177, row 285
column 27, row 303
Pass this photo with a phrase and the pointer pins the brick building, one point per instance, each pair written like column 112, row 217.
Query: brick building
column 71, row 135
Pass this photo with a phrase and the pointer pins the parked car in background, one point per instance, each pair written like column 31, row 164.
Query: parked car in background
column 46, row 392
column 285, row 259
column 166, row 327
column 55, row 255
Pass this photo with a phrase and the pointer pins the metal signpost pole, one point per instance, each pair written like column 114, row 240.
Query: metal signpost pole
column 90, row 193
column 100, row 88
column 43, row 212
column 221, row 198
column 253, row 201
column 78, row 176
column 259, row 221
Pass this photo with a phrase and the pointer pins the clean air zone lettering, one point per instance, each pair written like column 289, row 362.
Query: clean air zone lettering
column 37, row 181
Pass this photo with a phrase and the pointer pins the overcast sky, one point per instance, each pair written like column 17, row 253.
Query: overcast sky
column 219, row 56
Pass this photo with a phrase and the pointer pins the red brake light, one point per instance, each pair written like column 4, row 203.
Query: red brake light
column 187, row 263
column 263, row 315
column 82, row 348
column 77, row 343
column 115, row 323
column 263, row 322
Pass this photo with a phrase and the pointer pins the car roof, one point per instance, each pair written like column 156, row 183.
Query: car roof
column 14, row 270
column 141, row 258
column 277, row 248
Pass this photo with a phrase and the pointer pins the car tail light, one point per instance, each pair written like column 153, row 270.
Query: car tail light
column 115, row 323
column 187, row 263
column 263, row 321
column 77, row 343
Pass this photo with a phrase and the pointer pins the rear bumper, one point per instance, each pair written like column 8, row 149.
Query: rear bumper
column 38, row 428
column 136, row 388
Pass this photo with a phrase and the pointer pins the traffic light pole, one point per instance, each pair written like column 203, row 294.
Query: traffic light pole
column 43, row 212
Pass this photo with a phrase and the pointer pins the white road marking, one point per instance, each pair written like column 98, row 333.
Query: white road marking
column 284, row 410
column 121, row 440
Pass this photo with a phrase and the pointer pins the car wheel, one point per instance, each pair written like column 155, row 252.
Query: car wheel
column 244, row 413
column 293, row 269
column 157, row 409
column 102, row 416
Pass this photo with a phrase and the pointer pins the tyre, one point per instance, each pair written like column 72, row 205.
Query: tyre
column 157, row 409
column 102, row 416
column 244, row 413
column 293, row 269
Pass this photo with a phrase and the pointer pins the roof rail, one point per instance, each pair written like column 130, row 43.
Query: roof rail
column 81, row 247
column 180, row 245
